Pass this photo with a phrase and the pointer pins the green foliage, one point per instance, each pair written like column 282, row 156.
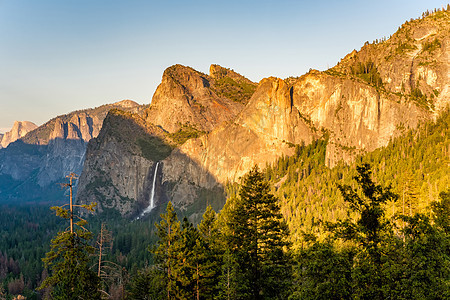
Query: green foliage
column 377, row 264
column 185, row 133
column 368, row 72
column 214, row 197
column 404, row 47
column 371, row 224
column 257, row 239
column 208, row 252
column 148, row 284
column 238, row 91
column 68, row 258
column 431, row 46
column 167, row 247
column 25, row 234
column 154, row 148
column 368, row 231
column 440, row 211
column 417, row 263
column 188, row 257
column 308, row 190
column 323, row 272
column 419, row 156
column 69, row 261
column 417, row 96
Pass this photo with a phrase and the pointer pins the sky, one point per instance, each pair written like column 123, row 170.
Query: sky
column 60, row 56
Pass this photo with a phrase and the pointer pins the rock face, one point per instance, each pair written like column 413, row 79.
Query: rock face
column 267, row 128
column 358, row 116
column 118, row 163
column 19, row 129
column 31, row 167
column 187, row 97
column 416, row 58
column 371, row 96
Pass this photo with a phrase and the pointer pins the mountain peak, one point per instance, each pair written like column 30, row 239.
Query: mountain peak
column 19, row 129
column 126, row 103
column 190, row 98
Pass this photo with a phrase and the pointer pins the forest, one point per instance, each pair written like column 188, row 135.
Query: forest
column 297, row 229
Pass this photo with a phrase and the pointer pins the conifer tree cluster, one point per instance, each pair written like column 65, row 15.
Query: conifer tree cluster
column 241, row 255
column 244, row 252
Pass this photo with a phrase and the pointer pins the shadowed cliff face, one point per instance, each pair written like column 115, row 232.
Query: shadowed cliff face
column 120, row 168
column 120, row 163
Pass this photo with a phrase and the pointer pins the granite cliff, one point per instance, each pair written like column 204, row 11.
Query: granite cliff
column 188, row 98
column 413, row 63
column 19, row 129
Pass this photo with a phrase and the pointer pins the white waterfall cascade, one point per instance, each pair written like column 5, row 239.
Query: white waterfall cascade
column 152, row 195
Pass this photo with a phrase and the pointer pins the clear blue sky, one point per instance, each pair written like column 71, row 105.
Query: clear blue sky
column 60, row 56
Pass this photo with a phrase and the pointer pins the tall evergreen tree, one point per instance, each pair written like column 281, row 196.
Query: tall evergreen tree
column 166, row 251
column 69, row 258
column 207, row 252
column 370, row 231
column 186, row 261
column 258, row 240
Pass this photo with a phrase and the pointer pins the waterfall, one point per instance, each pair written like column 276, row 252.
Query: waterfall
column 152, row 195
column 152, row 203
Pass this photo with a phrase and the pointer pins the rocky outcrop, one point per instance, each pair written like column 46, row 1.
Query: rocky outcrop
column 19, row 129
column 117, row 162
column 125, row 164
column 121, row 165
column 187, row 97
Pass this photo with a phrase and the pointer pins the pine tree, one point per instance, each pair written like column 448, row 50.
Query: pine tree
column 441, row 212
column 370, row 230
column 69, row 261
column 186, row 261
column 257, row 238
column 208, row 252
column 166, row 251
column 69, row 258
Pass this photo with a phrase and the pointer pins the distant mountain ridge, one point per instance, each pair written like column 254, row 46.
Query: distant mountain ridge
column 31, row 166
